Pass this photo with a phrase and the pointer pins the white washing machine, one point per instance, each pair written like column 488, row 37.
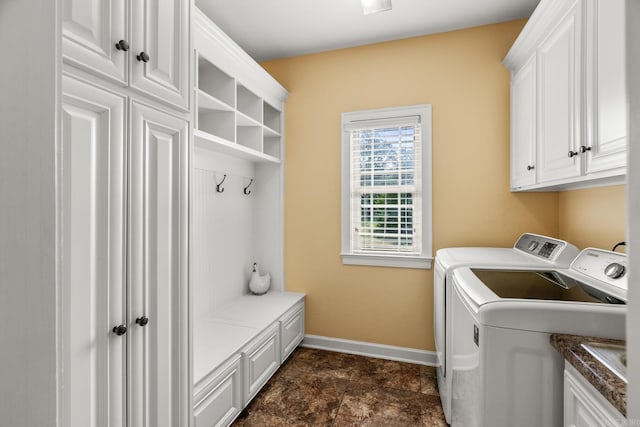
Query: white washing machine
column 505, row 372
column 531, row 251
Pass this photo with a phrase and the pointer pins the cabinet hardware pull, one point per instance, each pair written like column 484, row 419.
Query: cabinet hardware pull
column 142, row 321
column 122, row 45
column 143, row 56
column 530, row 168
column 584, row 149
column 572, row 153
column 120, row 330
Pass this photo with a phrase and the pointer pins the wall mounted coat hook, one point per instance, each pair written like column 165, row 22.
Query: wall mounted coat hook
column 246, row 189
column 218, row 184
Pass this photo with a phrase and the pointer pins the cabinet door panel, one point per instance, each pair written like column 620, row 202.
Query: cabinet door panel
column 91, row 29
column 606, row 86
column 160, row 28
column 559, row 100
column 93, row 257
column 523, row 119
column 158, row 375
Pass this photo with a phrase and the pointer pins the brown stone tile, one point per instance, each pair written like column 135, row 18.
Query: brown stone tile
column 310, row 399
column 428, row 380
column 326, row 363
column 261, row 419
column 432, row 413
column 364, row 405
column 387, row 374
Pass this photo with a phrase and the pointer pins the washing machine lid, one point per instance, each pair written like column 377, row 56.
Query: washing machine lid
column 548, row 285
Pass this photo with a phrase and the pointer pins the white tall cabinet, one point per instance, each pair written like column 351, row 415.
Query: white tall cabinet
column 94, row 257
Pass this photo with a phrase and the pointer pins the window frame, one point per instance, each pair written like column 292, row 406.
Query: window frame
column 394, row 259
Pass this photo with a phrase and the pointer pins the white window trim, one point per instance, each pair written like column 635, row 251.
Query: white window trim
column 424, row 260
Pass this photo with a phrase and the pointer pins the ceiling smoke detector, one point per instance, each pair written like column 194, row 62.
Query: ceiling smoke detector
column 375, row 6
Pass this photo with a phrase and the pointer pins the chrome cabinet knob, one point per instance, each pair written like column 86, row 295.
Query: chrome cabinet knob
column 530, row 167
column 572, row 153
column 584, row 148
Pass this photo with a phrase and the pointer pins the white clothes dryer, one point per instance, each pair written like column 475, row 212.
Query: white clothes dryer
column 505, row 372
column 530, row 251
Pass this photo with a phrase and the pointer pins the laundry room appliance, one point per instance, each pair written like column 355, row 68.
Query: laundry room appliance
column 504, row 370
column 530, row 251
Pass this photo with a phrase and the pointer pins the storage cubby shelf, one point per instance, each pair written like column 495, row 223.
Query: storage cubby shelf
column 238, row 117
column 221, row 145
column 246, row 121
column 208, row 102
column 270, row 133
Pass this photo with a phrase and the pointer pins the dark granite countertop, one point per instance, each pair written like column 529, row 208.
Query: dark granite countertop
column 612, row 387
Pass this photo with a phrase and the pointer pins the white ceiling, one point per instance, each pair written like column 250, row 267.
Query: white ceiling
column 269, row 29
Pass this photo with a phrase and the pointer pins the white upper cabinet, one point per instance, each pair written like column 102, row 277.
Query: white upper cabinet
column 91, row 28
column 523, row 125
column 559, row 99
column 142, row 44
column 579, row 96
column 605, row 87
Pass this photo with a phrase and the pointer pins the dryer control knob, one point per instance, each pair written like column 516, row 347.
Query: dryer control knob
column 615, row 270
column 533, row 245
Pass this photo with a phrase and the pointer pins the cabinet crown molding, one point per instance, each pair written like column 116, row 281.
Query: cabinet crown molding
column 544, row 18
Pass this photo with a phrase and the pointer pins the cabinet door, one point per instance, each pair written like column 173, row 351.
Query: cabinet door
column 559, row 60
column 90, row 31
column 523, row 119
column 158, row 384
column 261, row 360
column 92, row 175
column 161, row 30
column 583, row 404
column 291, row 332
column 606, row 87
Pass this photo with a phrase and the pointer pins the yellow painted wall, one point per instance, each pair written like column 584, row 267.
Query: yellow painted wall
column 461, row 74
column 594, row 217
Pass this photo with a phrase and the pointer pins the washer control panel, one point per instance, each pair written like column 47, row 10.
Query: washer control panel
column 606, row 266
column 546, row 248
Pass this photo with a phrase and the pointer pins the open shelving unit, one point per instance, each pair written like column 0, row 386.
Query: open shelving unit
column 232, row 119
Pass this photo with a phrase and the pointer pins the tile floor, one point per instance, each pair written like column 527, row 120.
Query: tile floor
column 323, row 388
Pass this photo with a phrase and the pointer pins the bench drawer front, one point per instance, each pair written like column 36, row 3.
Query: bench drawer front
column 261, row 360
column 292, row 330
column 222, row 402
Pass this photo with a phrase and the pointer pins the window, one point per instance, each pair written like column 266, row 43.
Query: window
column 386, row 187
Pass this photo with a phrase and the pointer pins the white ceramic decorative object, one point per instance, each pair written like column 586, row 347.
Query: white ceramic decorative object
column 258, row 284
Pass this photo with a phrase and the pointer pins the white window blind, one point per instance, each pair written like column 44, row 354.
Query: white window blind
column 385, row 186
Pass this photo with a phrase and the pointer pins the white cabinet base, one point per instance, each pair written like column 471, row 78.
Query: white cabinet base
column 584, row 406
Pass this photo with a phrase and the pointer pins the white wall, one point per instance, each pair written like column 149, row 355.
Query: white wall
column 29, row 84
column 222, row 230
column 633, row 229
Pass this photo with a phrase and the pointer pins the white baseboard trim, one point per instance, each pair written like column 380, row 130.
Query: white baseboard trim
column 380, row 351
